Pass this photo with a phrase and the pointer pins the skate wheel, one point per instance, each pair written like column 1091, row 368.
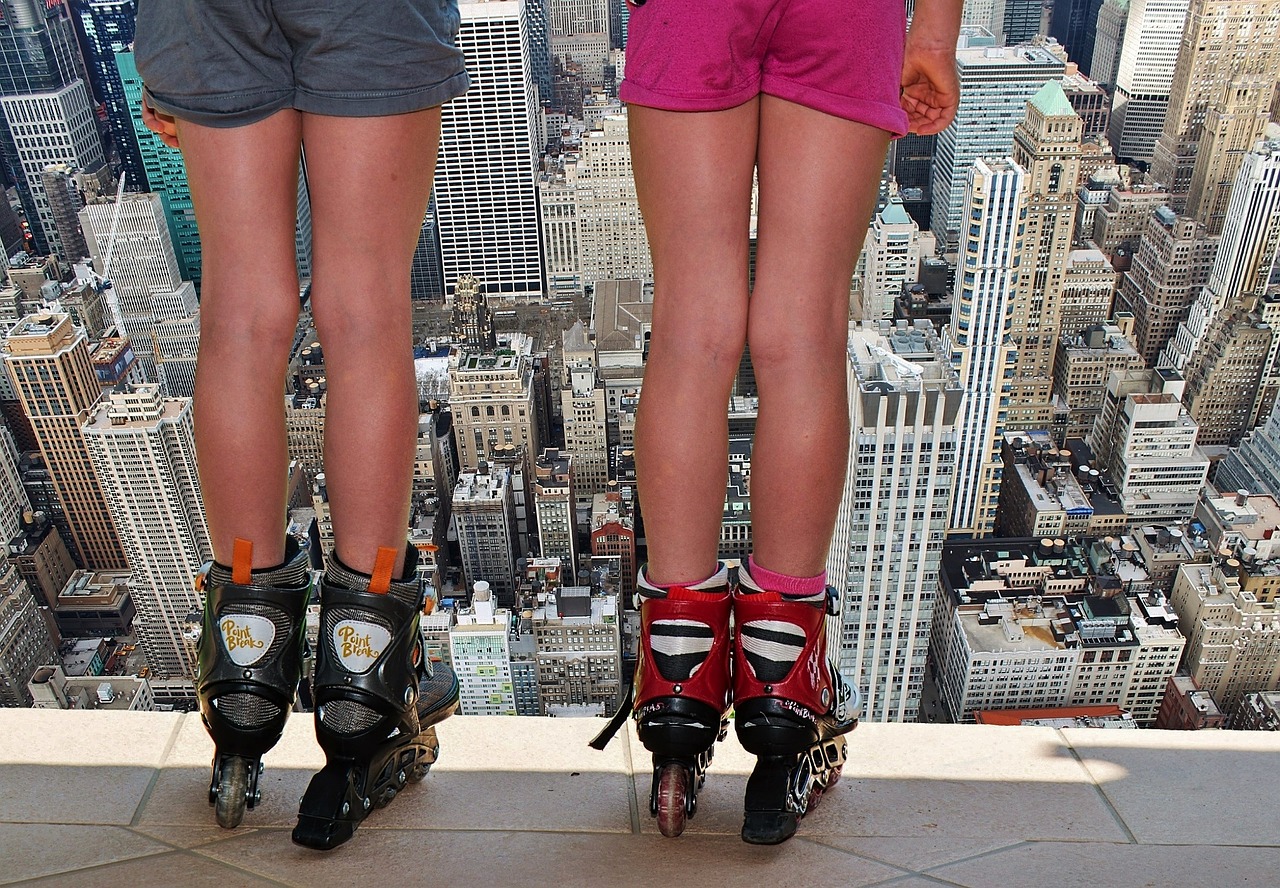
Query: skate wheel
column 673, row 799
column 835, row 776
column 416, row 773
column 385, row 799
column 233, row 792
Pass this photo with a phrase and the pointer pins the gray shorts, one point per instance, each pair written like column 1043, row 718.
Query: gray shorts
column 235, row 62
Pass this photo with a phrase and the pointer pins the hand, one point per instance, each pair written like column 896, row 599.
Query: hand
column 930, row 88
column 163, row 125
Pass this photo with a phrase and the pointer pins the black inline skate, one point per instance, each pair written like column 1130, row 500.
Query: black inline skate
column 680, row 692
column 378, row 699
column 250, row 658
column 792, row 708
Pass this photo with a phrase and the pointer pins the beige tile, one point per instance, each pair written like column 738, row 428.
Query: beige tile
column 181, row 794
column 189, row 836
column 916, row 854
column 78, row 767
column 1160, row 781
column 927, row 781
column 518, row 774
column 1100, row 865
column 158, row 871
column 496, row 859
column 32, row 850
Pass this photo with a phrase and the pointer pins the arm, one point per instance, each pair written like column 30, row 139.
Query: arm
column 930, row 89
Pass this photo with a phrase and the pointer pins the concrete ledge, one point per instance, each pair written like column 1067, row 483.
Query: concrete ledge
column 105, row 798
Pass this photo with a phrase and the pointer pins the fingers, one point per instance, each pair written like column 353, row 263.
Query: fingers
column 160, row 123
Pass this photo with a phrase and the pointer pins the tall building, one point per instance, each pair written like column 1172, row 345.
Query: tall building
column 1108, row 43
column 49, row 361
column 1144, row 77
column 13, row 498
column 177, row 343
column 471, row 322
column 995, row 85
column 1146, row 440
column 480, row 654
column 484, row 516
column 579, row 653
column 166, row 175
column 492, row 399
column 978, row 335
column 67, row 191
column 1121, row 220
column 892, row 255
column 1046, row 144
column 485, row 184
column 142, row 446
column 904, row 400
column 1088, row 290
column 1224, row 375
column 106, row 28
column 1169, row 269
column 1219, row 102
column 553, row 499
column 147, row 281
column 1085, row 363
column 613, row 535
column 1233, row 638
column 1070, row 22
column 48, row 115
column 25, row 645
column 1246, row 254
column 611, row 234
column 1255, row 464
column 582, row 406
column 558, row 205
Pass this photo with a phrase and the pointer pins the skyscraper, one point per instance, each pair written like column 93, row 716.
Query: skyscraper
column 166, row 175
column 995, row 85
column 553, row 498
column 147, row 281
column 611, row 234
column 49, row 361
column 904, row 400
column 47, row 111
column 106, row 28
column 1144, row 77
column 1219, row 102
column 892, row 256
column 142, row 446
column 583, row 409
column 1046, row 145
column 978, row 335
column 485, row 183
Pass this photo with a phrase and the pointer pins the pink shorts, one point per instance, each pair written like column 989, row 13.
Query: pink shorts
column 841, row 57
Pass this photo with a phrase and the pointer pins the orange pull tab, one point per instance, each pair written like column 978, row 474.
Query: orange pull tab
column 383, row 564
column 428, row 605
column 242, row 562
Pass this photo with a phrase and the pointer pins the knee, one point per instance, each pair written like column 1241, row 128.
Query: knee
column 713, row 347
column 262, row 326
column 781, row 349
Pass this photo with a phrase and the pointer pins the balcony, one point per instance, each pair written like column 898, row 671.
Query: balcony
column 106, row 798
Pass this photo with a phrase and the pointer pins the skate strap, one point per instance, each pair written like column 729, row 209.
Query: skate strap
column 619, row 719
column 242, row 562
column 684, row 593
column 383, row 564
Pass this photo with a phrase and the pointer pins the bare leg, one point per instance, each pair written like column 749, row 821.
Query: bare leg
column 818, row 181
column 370, row 180
column 693, row 179
column 244, row 184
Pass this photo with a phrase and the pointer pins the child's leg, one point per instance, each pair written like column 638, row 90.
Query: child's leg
column 693, row 180
column 818, row 178
column 818, row 181
column 377, row 697
column 244, row 186
column 244, row 183
column 370, row 178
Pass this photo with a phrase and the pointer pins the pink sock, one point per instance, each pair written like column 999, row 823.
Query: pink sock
column 792, row 587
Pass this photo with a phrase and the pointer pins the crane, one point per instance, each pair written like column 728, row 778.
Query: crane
column 102, row 282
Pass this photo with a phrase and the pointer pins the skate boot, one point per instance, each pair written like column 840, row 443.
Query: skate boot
column 681, row 691
column 378, row 698
column 250, row 658
column 792, row 708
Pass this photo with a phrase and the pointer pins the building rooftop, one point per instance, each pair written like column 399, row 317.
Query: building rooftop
column 108, row 798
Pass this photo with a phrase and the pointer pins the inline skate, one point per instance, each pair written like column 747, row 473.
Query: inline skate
column 680, row 697
column 792, row 708
column 378, row 698
column 252, row 644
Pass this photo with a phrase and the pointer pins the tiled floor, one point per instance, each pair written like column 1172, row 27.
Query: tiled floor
column 118, row 799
